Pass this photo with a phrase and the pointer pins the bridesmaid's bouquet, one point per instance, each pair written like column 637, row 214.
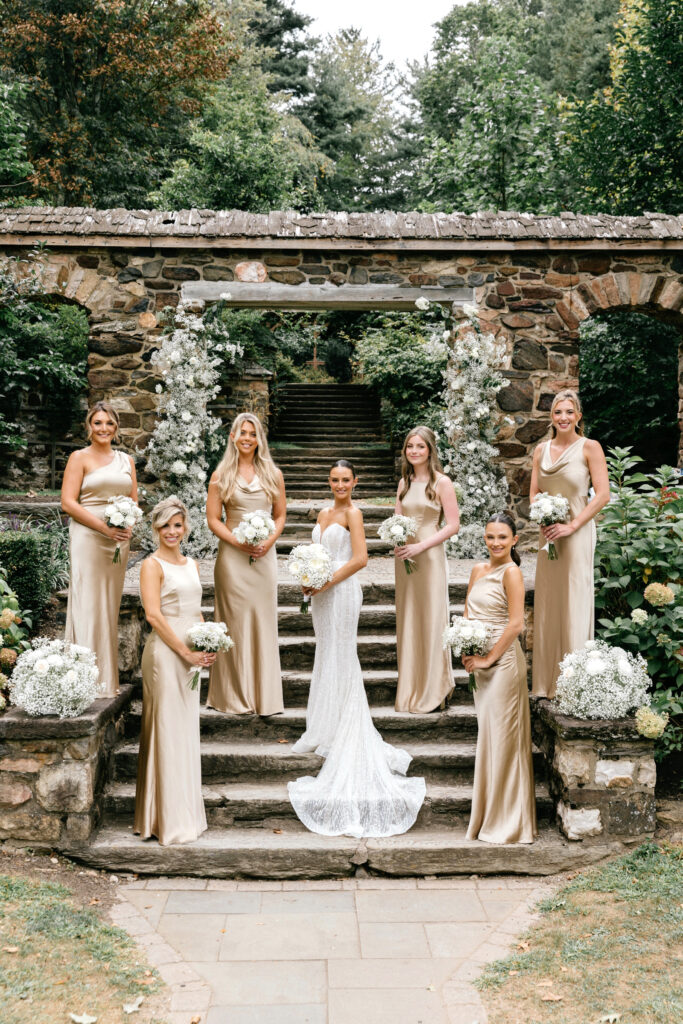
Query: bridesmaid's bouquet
column 311, row 566
column 546, row 510
column 55, row 677
column 395, row 531
column 254, row 528
column 121, row 511
column 207, row 636
column 466, row 637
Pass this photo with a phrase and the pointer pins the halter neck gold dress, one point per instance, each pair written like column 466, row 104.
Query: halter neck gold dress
column 564, row 614
column 95, row 582
column 503, row 801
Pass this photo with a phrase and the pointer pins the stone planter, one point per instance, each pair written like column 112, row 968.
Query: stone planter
column 601, row 775
column 53, row 772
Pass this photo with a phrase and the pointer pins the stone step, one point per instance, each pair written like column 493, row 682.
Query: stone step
column 283, row 545
column 309, row 513
column 303, row 528
column 296, row 853
column 317, row 477
column 312, row 458
column 375, row 650
column 365, row 489
column 374, row 618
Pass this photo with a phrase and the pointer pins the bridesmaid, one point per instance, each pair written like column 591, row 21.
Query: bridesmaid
column 567, row 464
column 425, row 677
column 168, row 795
column 247, row 480
column 503, row 801
column 92, row 476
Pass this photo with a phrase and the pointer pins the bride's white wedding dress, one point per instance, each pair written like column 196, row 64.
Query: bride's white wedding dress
column 361, row 789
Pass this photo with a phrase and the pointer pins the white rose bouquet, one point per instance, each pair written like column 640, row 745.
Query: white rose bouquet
column 546, row 510
column 599, row 681
column 122, row 512
column 466, row 637
column 395, row 531
column 207, row 636
column 254, row 528
column 55, row 678
column 311, row 566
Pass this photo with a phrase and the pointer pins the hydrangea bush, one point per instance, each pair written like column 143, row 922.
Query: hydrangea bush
column 189, row 358
column 55, row 677
column 599, row 681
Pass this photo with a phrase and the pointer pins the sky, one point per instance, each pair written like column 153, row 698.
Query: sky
column 403, row 27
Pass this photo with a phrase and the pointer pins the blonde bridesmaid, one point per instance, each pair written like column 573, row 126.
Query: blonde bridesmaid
column 168, row 796
column 567, row 464
column 425, row 678
column 503, row 800
column 246, row 480
column 92, row 476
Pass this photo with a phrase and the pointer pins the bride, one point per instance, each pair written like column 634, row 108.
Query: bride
column 361, row 789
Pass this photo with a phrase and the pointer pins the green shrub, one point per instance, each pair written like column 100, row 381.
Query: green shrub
column 14, row 633
column 27, row 561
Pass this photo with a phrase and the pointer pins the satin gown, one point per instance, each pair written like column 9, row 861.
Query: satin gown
column 425, row 675
column 249, row 681
column 503, row 800
column 168, row 796
column 361, row 789
column 95, row 582
column 564, row 599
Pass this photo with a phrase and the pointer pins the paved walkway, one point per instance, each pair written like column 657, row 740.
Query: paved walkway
column 353, row 951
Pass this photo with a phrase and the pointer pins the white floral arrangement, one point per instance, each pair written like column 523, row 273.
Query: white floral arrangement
column 212, row 637
column 546, row 510
column 189, row 361
column 122, row 512
column 311, row 566
column 599, row 681
column 254, row 528
column 55, row 677
column 466, row 637
column 396, row 530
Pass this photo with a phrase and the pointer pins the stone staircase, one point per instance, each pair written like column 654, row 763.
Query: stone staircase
column 319, row 423
column 301, row 519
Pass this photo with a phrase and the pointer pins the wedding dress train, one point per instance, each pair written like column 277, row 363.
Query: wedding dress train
column 361, row 789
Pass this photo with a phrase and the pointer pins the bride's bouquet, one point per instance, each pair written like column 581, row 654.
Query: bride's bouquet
column 466, row 637
column 121, row 511
column 254, row 528
column 55, row 677
column 311, row 566
column 395, row 531
column 207, row 636
column 546, row 510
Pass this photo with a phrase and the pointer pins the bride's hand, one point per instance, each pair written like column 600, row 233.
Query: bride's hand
column 311, row 591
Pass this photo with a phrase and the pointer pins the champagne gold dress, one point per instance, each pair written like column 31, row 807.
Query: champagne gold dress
column 168, row 796
column 564, row 613
column 425, row 677
column 95, row 582
column 249, row 681
column 503, row 801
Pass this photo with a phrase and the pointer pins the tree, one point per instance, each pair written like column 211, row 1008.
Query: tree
column 15, row 167
column 279, row 32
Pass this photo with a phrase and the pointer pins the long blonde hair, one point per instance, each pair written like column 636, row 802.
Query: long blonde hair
column 568, row 395
column 434, row 464
column 228, row 468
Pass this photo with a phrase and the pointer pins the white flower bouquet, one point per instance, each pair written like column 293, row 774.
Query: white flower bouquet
column 254, row 528
column 207, row 636
column 311, row 566
column 54, row 678
column 122, row 512
column 599, row 681
column 466, row 637
column 546, row 510
column 395, row 531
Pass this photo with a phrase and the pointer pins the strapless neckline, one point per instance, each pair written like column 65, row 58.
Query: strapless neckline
column 321, row 532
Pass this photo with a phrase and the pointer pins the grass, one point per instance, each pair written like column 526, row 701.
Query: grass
column 57, row 958
column 607, row 949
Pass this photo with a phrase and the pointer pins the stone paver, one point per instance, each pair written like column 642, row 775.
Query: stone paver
column 376, row 950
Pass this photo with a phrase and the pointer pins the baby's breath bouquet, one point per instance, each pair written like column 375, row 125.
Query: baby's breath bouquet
column 122, row 512
column 212, row 637
column 254, row 528
column 54, row 677
column 395, row 531
column 466, row 637
column 546, row 510
column 599, row 681
column 311, row 566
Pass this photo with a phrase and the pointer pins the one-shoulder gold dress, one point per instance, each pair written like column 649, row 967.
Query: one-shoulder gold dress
column 168, row 796
column 95, row 582
column 503, row 801
column 564, row 598
column 425, row 676
column 249, row 681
